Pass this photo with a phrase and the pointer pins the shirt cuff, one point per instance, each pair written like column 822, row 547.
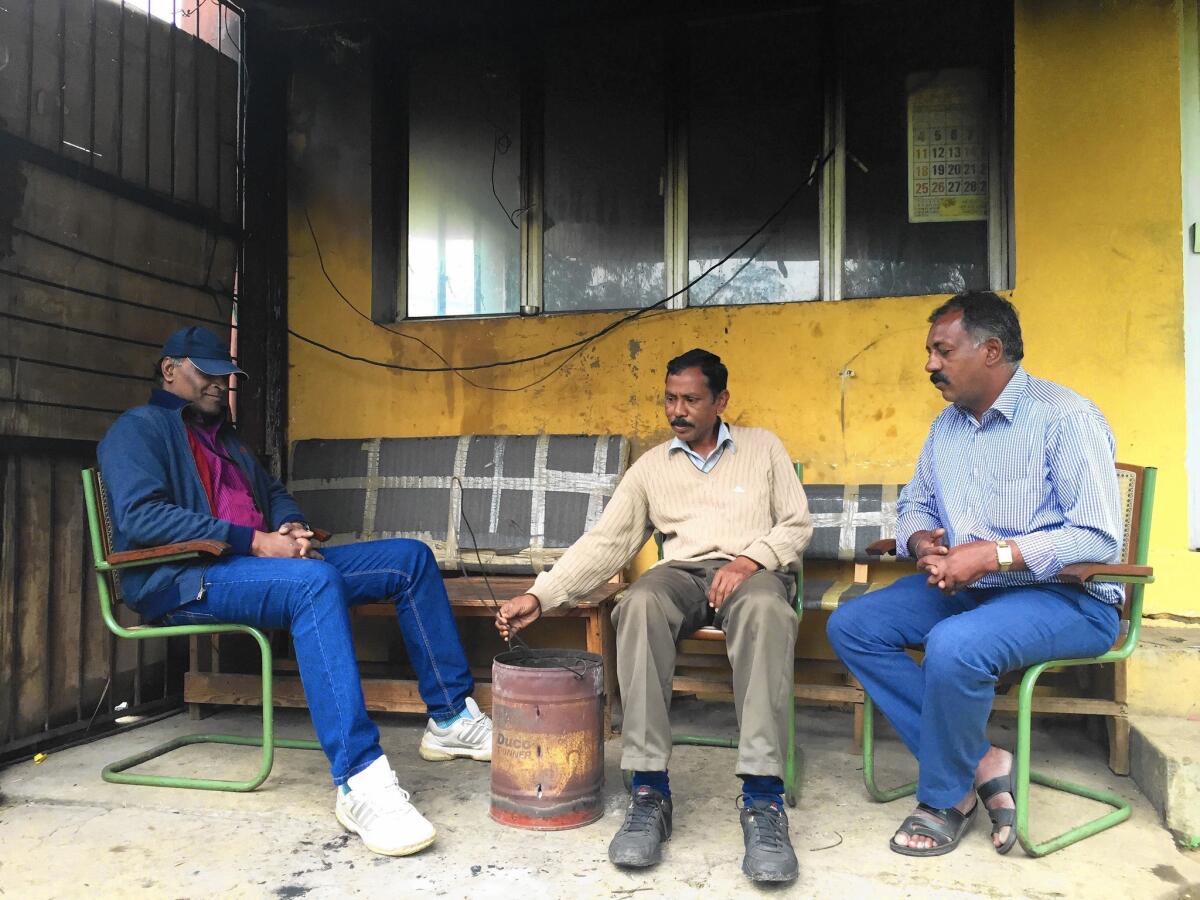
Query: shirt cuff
column 1039, row 553
column 240, row 539
column 908, row 525
column 760, row 551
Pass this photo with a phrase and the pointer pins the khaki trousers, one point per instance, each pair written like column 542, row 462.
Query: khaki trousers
column 759, row 621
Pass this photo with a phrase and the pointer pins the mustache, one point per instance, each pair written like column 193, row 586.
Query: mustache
column 681, row 423
column 939, row 378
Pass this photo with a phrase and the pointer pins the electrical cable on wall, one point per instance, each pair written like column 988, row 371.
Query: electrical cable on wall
column 578, row 345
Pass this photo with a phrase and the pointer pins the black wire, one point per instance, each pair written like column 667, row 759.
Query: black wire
column 462, row 511
column 337, row 290
column 581, row 343
column 165, row 279
column 100, row 295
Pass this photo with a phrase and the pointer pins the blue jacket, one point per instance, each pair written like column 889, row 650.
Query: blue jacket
column 156, row 497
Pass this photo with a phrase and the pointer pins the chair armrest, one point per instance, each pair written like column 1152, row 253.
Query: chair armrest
column 1079, row 573
column 146, row 555
column 885, row 547
column 320, row 534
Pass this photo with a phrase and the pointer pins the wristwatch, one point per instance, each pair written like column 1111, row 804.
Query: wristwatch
column 1004, row 555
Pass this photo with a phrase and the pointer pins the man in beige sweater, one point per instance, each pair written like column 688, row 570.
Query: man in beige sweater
column 734, row 522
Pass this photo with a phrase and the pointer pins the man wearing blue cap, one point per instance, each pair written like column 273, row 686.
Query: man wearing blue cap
column 176, row 471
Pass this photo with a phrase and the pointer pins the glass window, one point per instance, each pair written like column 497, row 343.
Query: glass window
column 604, row 171
column 885, row 53
column 755, row 128
column 464, row 189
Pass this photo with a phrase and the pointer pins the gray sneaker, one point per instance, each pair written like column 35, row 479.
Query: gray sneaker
column 647, row 824
column 769, row 854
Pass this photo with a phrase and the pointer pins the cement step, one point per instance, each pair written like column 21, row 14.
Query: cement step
column 1165, row 763
column 1164, row 671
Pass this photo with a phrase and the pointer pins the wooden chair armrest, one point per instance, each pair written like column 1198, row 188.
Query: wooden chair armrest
column 320, row 534
column 885, row 547
column 1078, row 573
column 150, row 554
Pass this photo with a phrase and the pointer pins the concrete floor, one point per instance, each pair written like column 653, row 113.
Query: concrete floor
column 65, row 833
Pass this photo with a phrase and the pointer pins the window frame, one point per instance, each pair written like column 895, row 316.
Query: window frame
column 389, row 121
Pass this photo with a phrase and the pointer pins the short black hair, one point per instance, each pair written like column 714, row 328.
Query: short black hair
column 710, row 364
column 987, row 315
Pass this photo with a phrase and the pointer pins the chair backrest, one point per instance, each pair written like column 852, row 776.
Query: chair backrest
column 526, row 498
column 100, row 536
column 1131, row 482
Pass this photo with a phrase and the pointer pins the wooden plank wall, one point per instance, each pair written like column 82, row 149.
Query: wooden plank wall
column 97, row 270
column 59, row 665
column 120, row 213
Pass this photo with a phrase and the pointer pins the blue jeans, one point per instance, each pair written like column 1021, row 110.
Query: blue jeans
column 940, row 708
column 311, row 599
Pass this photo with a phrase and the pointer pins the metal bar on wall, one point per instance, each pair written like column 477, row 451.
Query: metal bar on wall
column 146, row 97
column 92, row 86
column 196, row 53
column 62, row 75
column 121, row 91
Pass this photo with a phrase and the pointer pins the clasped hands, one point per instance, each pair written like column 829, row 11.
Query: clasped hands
column 293, row 540
column 952, row 568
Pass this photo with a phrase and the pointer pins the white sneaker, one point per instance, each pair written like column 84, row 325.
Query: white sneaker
column 466, row 738
column 376, row 808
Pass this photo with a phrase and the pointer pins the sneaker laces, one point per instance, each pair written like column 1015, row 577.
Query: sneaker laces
column 388, row 796
column 767, row 822
column 643, row 809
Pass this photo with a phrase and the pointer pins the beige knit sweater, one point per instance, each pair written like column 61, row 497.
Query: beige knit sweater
column 750, row 504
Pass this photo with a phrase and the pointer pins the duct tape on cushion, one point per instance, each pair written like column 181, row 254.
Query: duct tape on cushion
column 526, row 497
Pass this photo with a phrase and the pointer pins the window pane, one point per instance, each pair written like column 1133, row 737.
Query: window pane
column 886, row 254
column 464, row 165
column 755, row 128
column 604, row 150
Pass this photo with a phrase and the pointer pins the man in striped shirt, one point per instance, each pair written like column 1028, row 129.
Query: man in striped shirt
column 1016, row 480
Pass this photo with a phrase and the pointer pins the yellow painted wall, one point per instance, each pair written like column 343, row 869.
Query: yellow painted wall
column 1099, row 288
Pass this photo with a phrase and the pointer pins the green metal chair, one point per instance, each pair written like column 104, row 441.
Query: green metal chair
column 1137, row 503
column 792, row 769
column 106, row 564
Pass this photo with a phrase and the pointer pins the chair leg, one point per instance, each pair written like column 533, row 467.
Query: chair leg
column 116, row 772
column 868, row 755
column 1118, row 744
column 791, row 773
column 1023, row 776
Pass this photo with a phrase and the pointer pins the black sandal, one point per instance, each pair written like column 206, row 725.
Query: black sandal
column 946, row 833
column 1001, row 817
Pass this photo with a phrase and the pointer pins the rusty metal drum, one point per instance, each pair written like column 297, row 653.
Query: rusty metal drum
column 548, row 738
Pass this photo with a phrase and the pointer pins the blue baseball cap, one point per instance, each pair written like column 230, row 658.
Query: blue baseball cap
column 207, row 352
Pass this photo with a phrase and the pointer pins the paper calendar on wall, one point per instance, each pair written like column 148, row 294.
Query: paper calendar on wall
column 947, row 146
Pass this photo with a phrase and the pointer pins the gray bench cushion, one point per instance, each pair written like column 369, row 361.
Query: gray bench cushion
column 847, row 518
column 526, row 497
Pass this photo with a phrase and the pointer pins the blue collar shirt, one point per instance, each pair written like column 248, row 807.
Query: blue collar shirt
column 705, row 463
column 1038, row 469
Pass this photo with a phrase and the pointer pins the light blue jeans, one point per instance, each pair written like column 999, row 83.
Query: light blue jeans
column 940, row 708
column 311, row 599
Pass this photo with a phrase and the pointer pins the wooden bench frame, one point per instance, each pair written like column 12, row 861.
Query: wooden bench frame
column 206, row 684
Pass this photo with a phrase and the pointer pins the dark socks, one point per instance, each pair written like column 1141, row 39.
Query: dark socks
column 656, row 780
column 762, row 787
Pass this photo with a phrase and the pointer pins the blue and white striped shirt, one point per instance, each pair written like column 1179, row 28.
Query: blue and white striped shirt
column 1038, row 469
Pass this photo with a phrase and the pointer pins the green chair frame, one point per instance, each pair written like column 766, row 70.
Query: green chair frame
column 106, row 565
column 795, row 761
column 1134, row 572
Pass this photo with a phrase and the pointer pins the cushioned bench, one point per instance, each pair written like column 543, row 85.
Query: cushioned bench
column 501, row 506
